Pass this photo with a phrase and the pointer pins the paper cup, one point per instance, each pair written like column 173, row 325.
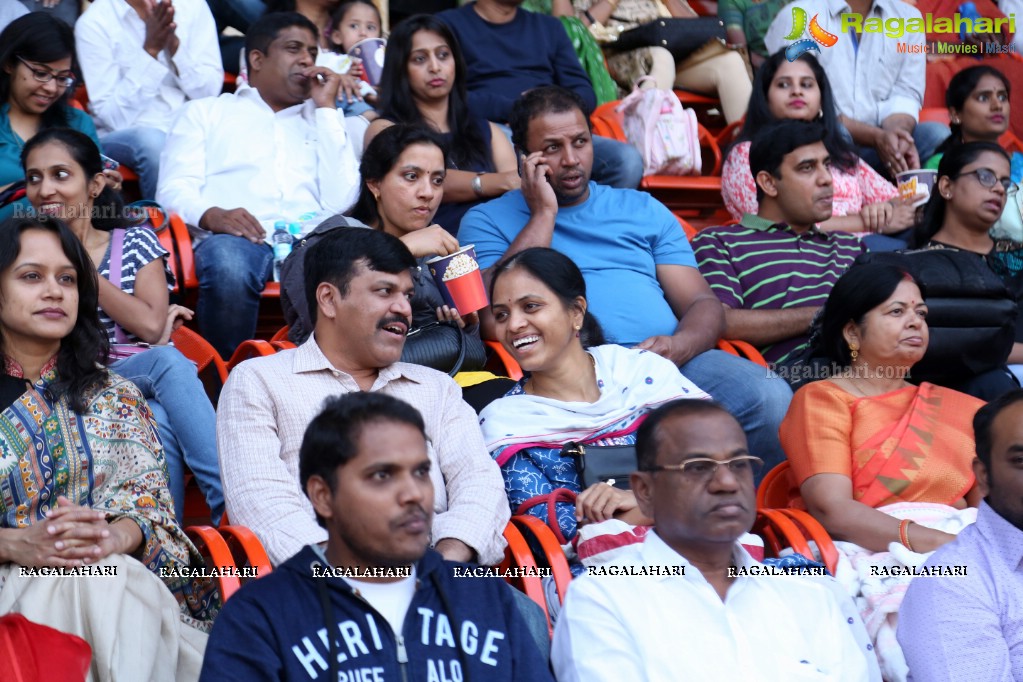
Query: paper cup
column 916, row 185
column 371, row 52
column 459, row 279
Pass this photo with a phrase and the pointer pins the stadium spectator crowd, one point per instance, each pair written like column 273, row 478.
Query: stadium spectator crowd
column 837, row 338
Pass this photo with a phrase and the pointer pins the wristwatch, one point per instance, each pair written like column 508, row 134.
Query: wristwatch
column 477, row 185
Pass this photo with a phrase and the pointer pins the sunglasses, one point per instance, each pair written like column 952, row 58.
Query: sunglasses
column 987, row 178
column 64, row 79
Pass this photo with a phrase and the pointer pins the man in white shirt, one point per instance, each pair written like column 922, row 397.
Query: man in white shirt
column 142, row 60
column 235, row 164
column 357, row 283
column 705, row 610
column 879, row 87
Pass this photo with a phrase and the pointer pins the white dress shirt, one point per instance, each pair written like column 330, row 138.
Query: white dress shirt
column 659, row 628
column 875, row 81
column 127, row 87
column 262, row 416
column 234, row 151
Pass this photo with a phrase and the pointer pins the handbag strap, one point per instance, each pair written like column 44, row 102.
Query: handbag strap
column 460, row 360
column 551, row 500
column 116, row 254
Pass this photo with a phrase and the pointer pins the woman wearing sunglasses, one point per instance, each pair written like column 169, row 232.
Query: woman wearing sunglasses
column 37, row 55
column 972, row 188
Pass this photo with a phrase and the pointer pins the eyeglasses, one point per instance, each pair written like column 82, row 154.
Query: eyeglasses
column 987, row 178
column 703, row 469
column 44, row 76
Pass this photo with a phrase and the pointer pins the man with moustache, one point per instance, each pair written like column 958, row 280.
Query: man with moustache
column 235, row 164
column 358, row 284
column 375, row 604
column 774, row 270
column 725, row 617
column 970, row 627
column 641, row 277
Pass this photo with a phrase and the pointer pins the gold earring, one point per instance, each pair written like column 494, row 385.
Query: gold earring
column 854, row 351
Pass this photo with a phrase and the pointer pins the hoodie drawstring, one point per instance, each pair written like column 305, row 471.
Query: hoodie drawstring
column 328, row 616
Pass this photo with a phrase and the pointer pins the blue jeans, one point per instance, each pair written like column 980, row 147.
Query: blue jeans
column 232, row 273
column 138, row 149
column 926, row 136
column 754, row 395
column 536, row 621
column 66, row 11
column 616, row 164
column 185, row 417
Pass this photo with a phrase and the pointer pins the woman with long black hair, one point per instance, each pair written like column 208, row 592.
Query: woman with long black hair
column 424, row 83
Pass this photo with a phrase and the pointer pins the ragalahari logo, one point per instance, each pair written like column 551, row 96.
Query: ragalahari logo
column 818, row 36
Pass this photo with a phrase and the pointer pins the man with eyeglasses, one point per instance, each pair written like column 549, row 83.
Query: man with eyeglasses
column 724, row 617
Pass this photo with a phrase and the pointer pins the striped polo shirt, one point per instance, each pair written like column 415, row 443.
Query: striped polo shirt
column 760, row 265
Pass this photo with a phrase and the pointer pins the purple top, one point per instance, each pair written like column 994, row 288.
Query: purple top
column 968, row 627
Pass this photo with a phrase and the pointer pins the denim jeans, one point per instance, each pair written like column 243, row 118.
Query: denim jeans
column 926, row 136
column 536, row 621
column 754, row 395
column 616, row 164
column 185, row 417
column 138, row 149
column 66, row 10
column 232, row 273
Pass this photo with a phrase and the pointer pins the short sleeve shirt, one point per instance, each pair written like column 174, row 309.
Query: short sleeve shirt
column 141, row 247
column 617, row 237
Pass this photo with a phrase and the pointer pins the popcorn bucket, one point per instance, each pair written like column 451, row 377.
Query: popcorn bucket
column 916, row 185
column 459, row 279
column 371, row 52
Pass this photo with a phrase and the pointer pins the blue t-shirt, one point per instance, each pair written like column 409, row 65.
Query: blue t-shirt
column 617, row 237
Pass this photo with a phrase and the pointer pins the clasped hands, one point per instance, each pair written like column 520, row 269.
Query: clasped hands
column 71, row 535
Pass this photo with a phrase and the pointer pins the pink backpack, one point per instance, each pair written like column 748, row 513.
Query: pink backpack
column 662, row 130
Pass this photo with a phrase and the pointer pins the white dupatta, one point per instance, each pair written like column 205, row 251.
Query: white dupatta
column 632, row 382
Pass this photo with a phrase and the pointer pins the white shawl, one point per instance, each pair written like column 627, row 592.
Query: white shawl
column 632, row 382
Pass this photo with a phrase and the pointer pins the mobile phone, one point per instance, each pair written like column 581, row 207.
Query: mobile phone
column 108, row 163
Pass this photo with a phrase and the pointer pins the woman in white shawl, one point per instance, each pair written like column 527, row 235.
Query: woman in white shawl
column 577, row 389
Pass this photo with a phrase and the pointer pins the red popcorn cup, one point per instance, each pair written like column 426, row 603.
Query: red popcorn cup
column 371, row 52
column 459, row 279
